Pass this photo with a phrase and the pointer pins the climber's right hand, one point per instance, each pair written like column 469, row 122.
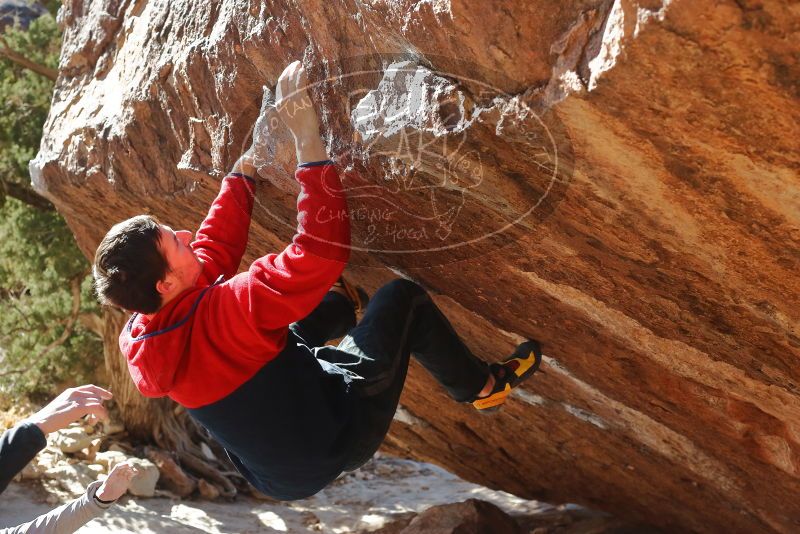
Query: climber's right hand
column 298, row 114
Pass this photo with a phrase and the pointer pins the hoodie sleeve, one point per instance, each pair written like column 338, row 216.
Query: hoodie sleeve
column 279, row 289
column 18, row 446
column 222, row 238
column 66, row 518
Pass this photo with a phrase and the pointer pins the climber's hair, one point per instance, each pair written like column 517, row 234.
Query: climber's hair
column 128, row 264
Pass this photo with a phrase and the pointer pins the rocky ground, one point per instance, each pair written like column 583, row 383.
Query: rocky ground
column 388, row 495
column 385, row 496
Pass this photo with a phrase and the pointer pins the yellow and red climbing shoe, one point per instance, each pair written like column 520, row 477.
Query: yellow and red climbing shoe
column 509, row 374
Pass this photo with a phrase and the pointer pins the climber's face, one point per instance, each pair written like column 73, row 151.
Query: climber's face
column 184, row 267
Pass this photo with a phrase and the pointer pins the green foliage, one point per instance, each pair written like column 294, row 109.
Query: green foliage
column 38, row 263
column 43, row 339
column 25, row 97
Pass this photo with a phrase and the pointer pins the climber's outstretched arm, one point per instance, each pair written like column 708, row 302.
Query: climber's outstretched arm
column 279, row 289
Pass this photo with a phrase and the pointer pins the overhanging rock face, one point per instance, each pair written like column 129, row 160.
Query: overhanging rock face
column 615, row 178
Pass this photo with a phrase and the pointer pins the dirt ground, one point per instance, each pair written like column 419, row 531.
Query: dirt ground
column 383, row 490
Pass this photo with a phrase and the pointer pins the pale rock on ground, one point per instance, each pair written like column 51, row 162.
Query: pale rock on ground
column 144, row 484
column 384, row 490
column 72, row 438
column 71, row 461
column 109, row 459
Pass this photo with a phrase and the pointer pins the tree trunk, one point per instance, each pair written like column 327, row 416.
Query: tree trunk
column 22, row 61
column 26, row 195
column 162, row 421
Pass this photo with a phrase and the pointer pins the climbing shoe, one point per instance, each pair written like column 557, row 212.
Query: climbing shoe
column 509, row 374
column 357, row 296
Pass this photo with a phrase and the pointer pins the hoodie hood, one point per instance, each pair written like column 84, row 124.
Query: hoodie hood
column 156, row 349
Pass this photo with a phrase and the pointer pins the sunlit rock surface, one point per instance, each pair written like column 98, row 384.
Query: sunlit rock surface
column 617, row 179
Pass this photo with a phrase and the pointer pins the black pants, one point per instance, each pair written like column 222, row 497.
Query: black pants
column 400, row 320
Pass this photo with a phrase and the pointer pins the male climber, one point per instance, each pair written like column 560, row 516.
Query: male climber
column 245, row 353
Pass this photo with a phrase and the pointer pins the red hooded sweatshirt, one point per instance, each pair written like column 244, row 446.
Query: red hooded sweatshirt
column 212, row 338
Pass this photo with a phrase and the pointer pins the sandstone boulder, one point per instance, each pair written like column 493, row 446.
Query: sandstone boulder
column 469, row 517
column 617, row 179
